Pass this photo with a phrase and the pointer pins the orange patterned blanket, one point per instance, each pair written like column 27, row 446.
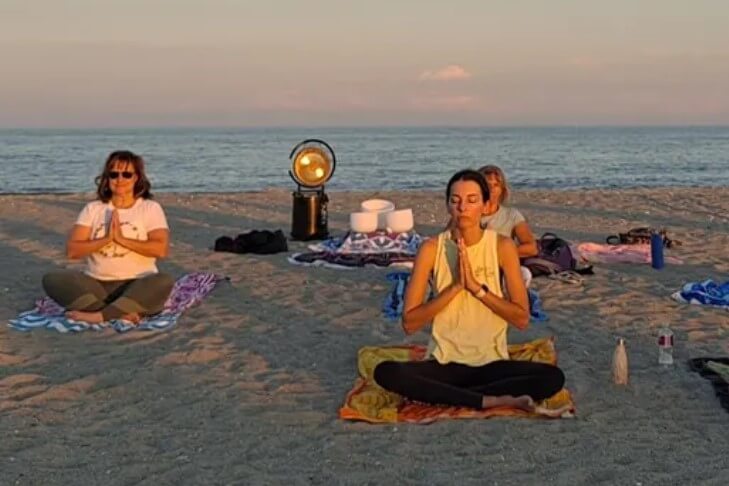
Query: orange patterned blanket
column 371, row 403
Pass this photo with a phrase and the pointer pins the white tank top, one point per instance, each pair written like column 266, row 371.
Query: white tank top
column 466, row 331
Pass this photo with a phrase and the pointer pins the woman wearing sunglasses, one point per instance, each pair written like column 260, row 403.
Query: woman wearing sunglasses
column 120, row 235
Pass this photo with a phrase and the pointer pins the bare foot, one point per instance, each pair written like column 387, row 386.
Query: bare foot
column 134, row 318
column 565, row 410
column 523, row 402
column 92, row 317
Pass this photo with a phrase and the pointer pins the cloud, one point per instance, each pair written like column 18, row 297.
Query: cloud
column 452, row 72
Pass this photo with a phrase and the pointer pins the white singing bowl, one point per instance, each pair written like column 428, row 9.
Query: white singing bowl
column 380, row 207
column 365, row 222
column 377, row 205
column 400, row 221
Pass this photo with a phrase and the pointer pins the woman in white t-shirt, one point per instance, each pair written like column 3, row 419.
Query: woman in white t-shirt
column 120, row 235
column 505, row 220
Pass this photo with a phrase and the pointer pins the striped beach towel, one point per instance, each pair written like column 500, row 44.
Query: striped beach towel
column 188, row 291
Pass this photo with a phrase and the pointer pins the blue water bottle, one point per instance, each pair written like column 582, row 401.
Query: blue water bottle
column 656, row 251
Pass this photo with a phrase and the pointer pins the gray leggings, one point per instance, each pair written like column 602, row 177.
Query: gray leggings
column 113, row 298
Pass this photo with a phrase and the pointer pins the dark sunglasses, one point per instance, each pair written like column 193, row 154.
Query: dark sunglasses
column 115, row 174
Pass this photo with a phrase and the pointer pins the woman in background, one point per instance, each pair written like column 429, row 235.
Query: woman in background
column 503, row 219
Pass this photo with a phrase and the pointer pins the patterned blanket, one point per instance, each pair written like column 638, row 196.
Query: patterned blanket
column 370, row 403
column 188, row 291
column 376, row 242
column 378, row 248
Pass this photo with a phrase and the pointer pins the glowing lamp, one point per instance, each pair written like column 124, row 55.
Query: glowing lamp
column 312, row 165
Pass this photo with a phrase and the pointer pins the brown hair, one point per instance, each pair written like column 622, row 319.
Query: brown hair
column 488, row 170
column 469, row 175
column 142, row 187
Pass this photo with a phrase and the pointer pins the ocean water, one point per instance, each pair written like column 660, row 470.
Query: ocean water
column 229, row 160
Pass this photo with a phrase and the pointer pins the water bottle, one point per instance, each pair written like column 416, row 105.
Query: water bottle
column 665, row 346
column 656, row 251
column 620, row 364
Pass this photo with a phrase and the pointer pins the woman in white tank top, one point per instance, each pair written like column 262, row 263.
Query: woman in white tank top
column 469, row 364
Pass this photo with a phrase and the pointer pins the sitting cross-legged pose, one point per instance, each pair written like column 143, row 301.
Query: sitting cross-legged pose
column 469, row 363
column 120, row 235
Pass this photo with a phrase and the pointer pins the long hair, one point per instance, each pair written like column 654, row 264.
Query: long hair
column 142, row 188
column 469, row 175
column 488, row 170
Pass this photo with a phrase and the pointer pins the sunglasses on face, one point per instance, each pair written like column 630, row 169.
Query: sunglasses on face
column 115, row 174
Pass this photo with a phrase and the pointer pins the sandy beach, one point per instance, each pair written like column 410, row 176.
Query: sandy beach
column 246, row 389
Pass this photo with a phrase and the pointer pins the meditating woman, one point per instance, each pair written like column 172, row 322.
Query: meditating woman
column 120, row 235
column 469, row 363
column 506, row 220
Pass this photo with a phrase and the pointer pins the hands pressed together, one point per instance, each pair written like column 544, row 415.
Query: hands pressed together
column 465, row 279
column 115, row 233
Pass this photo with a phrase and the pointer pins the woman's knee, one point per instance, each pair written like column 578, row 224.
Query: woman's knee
column 162, row 281
column 555, row 379
column 56, row 279
column 387, row 373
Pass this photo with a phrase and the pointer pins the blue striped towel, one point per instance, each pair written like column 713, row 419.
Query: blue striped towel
column 189, row 290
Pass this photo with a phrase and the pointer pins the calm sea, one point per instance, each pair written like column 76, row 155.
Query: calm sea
column 224, row 160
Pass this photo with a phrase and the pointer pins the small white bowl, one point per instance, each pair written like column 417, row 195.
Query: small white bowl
column 400, row 221
column 381, row 207
column 365, row 222
column 377, row 205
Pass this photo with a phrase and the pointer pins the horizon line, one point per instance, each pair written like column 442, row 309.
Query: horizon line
column 365, row 126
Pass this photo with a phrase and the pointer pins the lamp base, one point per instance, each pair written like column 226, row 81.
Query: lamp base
column 310, row 217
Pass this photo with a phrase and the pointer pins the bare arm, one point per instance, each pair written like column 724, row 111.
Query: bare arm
column 157, row 244
column 515, row 309
column 80, row 245
column 416, row 313
column 527, row 243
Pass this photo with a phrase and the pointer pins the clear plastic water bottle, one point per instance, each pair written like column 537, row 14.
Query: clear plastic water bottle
column 665, row 346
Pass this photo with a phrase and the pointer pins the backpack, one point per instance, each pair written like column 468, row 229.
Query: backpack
column 555, row 256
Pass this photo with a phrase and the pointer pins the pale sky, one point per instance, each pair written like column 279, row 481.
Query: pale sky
column 111, row 63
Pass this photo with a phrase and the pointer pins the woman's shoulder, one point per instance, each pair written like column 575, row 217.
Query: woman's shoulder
column 430, row 244
column 512, row 214
column 511, row 211
column 95, row 205
column 150, row 205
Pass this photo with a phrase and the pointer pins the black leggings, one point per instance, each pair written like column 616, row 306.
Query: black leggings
column 465, row 386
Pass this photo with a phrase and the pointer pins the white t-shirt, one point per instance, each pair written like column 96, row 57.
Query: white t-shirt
column 503, row 221
column 115, row 262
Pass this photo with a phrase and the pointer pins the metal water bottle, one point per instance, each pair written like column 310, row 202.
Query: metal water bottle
column 620, row 364
column 657, row 251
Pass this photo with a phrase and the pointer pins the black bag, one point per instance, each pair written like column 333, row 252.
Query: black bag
column 555, row 256
column 641, row 236
column 258, row 242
